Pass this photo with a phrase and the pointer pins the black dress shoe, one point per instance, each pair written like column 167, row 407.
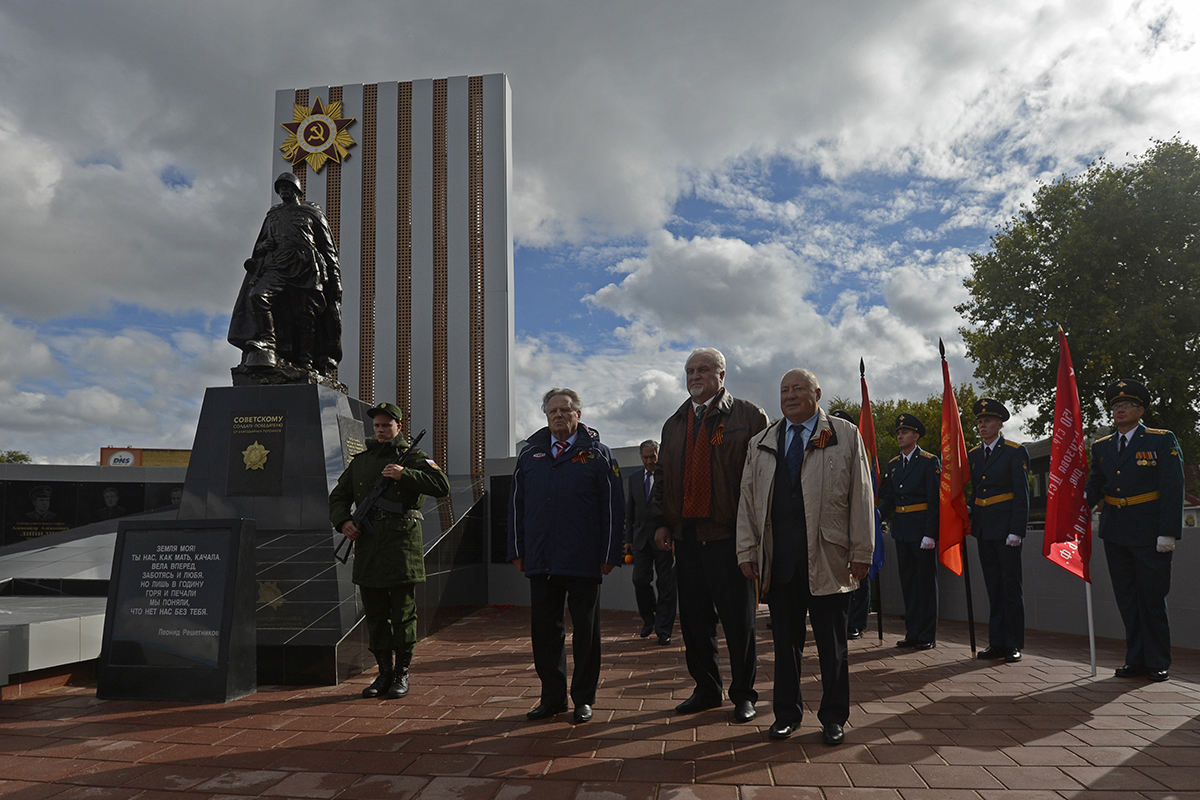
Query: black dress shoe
column 854, row 633
column 664, row 639
column 832, row 733
column 1158, row 675
column 1130, row 670
column 583, row 712
column 907, row 643
column 923, row 646
column 697, row 703
column 743, row 711
column 543, row 711
column 992, row 653
column 1012, row 656
column 646, row 631
column 780, row 730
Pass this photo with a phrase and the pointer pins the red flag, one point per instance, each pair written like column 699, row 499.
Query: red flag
column 953, row 524
column 1068, row 538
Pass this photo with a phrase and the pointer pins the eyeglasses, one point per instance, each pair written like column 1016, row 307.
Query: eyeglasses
column 1123, row 406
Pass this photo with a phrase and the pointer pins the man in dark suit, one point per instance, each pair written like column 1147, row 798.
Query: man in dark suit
column 999, row 507
column 696, row 490
column 909, row 494
column 658, row 613
column 1138, row 473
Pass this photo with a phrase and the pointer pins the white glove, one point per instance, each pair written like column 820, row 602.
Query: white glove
column 1166, row 544
column 1013, row 540
column 928, row 544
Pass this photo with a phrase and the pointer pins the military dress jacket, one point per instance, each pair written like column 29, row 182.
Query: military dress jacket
column 390, row 551
column 1152, row 464
column 905, row 489
column 999, row 502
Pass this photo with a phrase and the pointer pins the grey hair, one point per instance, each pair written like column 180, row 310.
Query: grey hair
column 808, row 376
column 571, row 394
column 712, row 353
column 653, row 445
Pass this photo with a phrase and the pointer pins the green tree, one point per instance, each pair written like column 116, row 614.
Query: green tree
column 928, row 411
column 13, row 457
column 1113, row 256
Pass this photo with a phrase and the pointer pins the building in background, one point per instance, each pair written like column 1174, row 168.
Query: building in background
column 415, row 178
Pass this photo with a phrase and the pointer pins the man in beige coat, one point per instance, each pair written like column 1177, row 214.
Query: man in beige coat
column 805, row 524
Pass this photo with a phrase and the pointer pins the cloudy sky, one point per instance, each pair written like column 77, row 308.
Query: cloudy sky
column 797, row 183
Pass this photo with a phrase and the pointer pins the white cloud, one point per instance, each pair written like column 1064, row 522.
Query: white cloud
column 914, row 127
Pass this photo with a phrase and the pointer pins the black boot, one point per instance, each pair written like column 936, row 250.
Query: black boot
column 384, row 679
column 399, row 686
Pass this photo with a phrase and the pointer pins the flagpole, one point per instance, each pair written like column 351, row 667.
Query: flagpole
column 948, row 390
column 1067, row 539
column 970, row 602
column 865, row 409
column 1091, row 625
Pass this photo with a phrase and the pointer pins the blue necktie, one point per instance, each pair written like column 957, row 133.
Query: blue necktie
column 795, row 454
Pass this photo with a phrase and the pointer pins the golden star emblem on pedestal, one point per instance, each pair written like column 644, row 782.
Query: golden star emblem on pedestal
column 317, row 134
column 255, row 456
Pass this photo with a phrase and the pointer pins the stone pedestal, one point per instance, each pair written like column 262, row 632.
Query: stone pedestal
column 272, row 454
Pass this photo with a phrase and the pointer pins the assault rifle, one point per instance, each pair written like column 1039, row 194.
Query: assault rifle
column 362, row 510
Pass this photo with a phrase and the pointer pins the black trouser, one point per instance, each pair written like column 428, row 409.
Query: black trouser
column 788, row 603
column 1006, row 599
column 918, row 582
column 391, row 617
column 712, row 587
column 548, row 595
column 1141, row 579
column 657, row 611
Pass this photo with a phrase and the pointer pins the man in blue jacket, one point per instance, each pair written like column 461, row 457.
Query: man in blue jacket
column 909, row 495
column 1138, row 473
column 565, row 532
column 999, row 507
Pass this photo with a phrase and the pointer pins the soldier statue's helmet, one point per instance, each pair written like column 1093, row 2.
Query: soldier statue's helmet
column 287, row 177
column 841, row 414
column 990, row 407
column 912, row 423
column 1124, row 389
column 391, row 409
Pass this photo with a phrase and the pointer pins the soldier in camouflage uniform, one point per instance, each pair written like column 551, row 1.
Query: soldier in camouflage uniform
column 390, row 561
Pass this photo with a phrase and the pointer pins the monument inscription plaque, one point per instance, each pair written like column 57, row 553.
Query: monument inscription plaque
column 180, row 617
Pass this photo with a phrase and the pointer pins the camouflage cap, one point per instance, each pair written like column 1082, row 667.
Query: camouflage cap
column 391, row 409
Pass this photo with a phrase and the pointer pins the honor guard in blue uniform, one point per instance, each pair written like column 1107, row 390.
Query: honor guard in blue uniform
column 999, row 507
column 909, row 495
column 1138, row 473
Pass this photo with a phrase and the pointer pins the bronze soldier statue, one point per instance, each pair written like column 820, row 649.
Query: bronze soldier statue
column 289, row 310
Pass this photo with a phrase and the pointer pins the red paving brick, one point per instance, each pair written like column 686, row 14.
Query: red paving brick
column 930, row 726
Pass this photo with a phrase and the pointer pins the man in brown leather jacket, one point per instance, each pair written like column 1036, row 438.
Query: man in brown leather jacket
column 696, row 487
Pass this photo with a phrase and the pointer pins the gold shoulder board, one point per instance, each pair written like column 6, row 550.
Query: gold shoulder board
column 1159, row 431
column 1011, row 443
